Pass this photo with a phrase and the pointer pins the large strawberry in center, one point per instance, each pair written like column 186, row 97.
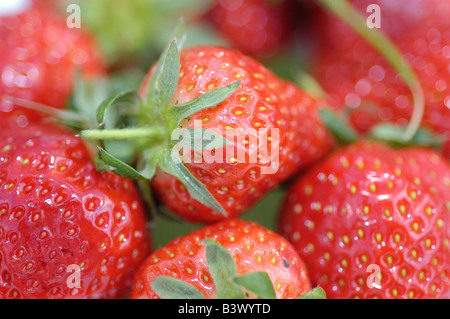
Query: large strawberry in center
column 264, row 130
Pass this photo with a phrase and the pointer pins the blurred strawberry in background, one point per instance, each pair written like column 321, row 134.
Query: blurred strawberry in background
column 359, row 81
column 40, row 56
column 256, row 27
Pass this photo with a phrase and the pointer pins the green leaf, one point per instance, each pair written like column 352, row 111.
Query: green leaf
column 340, row 130
column 129, row 96
column 100, row 164
column 316, row 293
column 171, row 288
column 169, row 76
column 222, row 267
column 164, row 80
column 208, row 99
column 197, row 139
column 171, row 164
column 258, row 283
column 105, row 160
column 180, row 33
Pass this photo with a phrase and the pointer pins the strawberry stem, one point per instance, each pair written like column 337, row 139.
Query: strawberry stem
column 123, row 133
column 344, row 10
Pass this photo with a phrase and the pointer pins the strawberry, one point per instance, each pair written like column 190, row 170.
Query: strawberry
column 371, row 215
column 254, row 249
column 40, row 56
column 60, row 217
column 255, row 104
column 256, row 27
column 239, row 96
column 359, row 80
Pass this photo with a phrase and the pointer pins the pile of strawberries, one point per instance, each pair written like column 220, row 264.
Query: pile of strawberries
column 83, row 184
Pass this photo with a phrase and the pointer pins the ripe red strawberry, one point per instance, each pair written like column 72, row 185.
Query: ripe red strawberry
column 58, row 215
column 359, row 79
column 367, row 206
column 39, row 57
column 262, row 101
column 256, row 27
column 223, row 91
column 253, row 247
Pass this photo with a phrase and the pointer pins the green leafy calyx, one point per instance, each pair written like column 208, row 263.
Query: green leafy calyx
column 228, row 284
column 151, row 124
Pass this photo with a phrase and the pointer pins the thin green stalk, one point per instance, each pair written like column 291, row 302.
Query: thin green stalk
column 346, row 11
column 123, row 133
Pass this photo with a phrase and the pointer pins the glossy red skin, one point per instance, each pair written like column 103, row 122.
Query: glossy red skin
column 254, row 248
column 256, row 27
column 238, row 186
column 56, row 210
column 368, row 204
column 352, row 73
column 39, row 57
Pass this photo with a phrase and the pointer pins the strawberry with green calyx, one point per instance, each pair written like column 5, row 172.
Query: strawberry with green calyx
column 225, row 91
column 159, row 122
column 233, row 259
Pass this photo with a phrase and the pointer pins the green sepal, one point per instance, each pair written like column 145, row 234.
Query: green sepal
column 310, row 85
column 171, row 288
column 164, row 80
column 228, row 284
column 106, row 161
column 341, row 131
column 100, row 165
column 87, row 94
column 197, row 139
column 222, row 268
column 130, row 96
column 171, row 163
column 181, row 111
column 316, row 293
column 257, row 282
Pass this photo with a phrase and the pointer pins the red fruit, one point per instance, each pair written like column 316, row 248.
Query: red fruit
column 253, row 247
column 262, row 101
column 256, row 27
column 39, row 57
column 367, row 206
column 356, row 77
column 57, row 211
